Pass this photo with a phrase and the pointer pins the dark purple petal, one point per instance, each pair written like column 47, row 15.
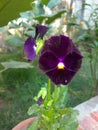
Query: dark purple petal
column 60, row 59
column 60, row 45
column 73, row 61
column 40, row 31
column 47, row 61
column 29, row 48
column 61, row 76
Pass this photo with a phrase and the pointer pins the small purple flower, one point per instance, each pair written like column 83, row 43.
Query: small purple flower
column 40, row 101
column 40, row 31
column 60, row 59
column 30, row 48
column 30, row 43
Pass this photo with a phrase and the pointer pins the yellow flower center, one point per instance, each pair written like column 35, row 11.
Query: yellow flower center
column 81, row 22
column 65, row 20
column 60, row 66
column 72, row 8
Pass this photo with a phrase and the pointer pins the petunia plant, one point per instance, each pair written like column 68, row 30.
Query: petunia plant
column 58, row 59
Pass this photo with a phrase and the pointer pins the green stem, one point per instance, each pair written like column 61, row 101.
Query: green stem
column 95, row 68
column 49, row 90
column 55, row 93
column 91, row 69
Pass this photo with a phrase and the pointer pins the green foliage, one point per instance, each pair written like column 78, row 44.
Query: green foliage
column 53, row 3
column 39, row 43
column 71, row 121
column 33, row 126
column 52, row 113
column 9, row 9
column 72, row 24
column 18, row 87
column 15, row 40
column 26, row 28
column 37, row 8
column 88, row 41
column 33, row 109
column 60, row 96
column 45, row 2
column 16, row 64
column 27, row 14
column 50, row 18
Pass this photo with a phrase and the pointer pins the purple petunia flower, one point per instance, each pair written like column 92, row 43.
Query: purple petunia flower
column 60, row 59
column 30, row 48
column 40, row 31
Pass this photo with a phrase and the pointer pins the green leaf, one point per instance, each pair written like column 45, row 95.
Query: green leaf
column 45, row 2
column 49, row 103
column 13, row 25
column 30, row 33
column 96, row 43
column 65, row 111
column 72, row 24
column 60, row 96
column 86, row 4
column 10, row 9
column 3, row 29
column 27, row 25
column 49, row 115
column 69, row 121
column 34, row 125
column 38, row 9
column 16, row 64
column 50, row 18
column 15, row 40
column 42, row 93
column 53, row 3
column 33, row 109
column 28, row 15
column 39, row 43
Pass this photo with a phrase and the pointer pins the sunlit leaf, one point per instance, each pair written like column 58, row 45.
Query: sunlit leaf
column 40, row 43
column 71, row 120
column 53, row 3
column 13, row 25
column 10, row 9
column 38, row 9
column 42, row 93
column 15, row 40
column 45, row 2
column 28, row 15
column 16, row 64
column 26, row 25
column 60, row 96
column 33, row 109
column 50, row 18
column 30, row 33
